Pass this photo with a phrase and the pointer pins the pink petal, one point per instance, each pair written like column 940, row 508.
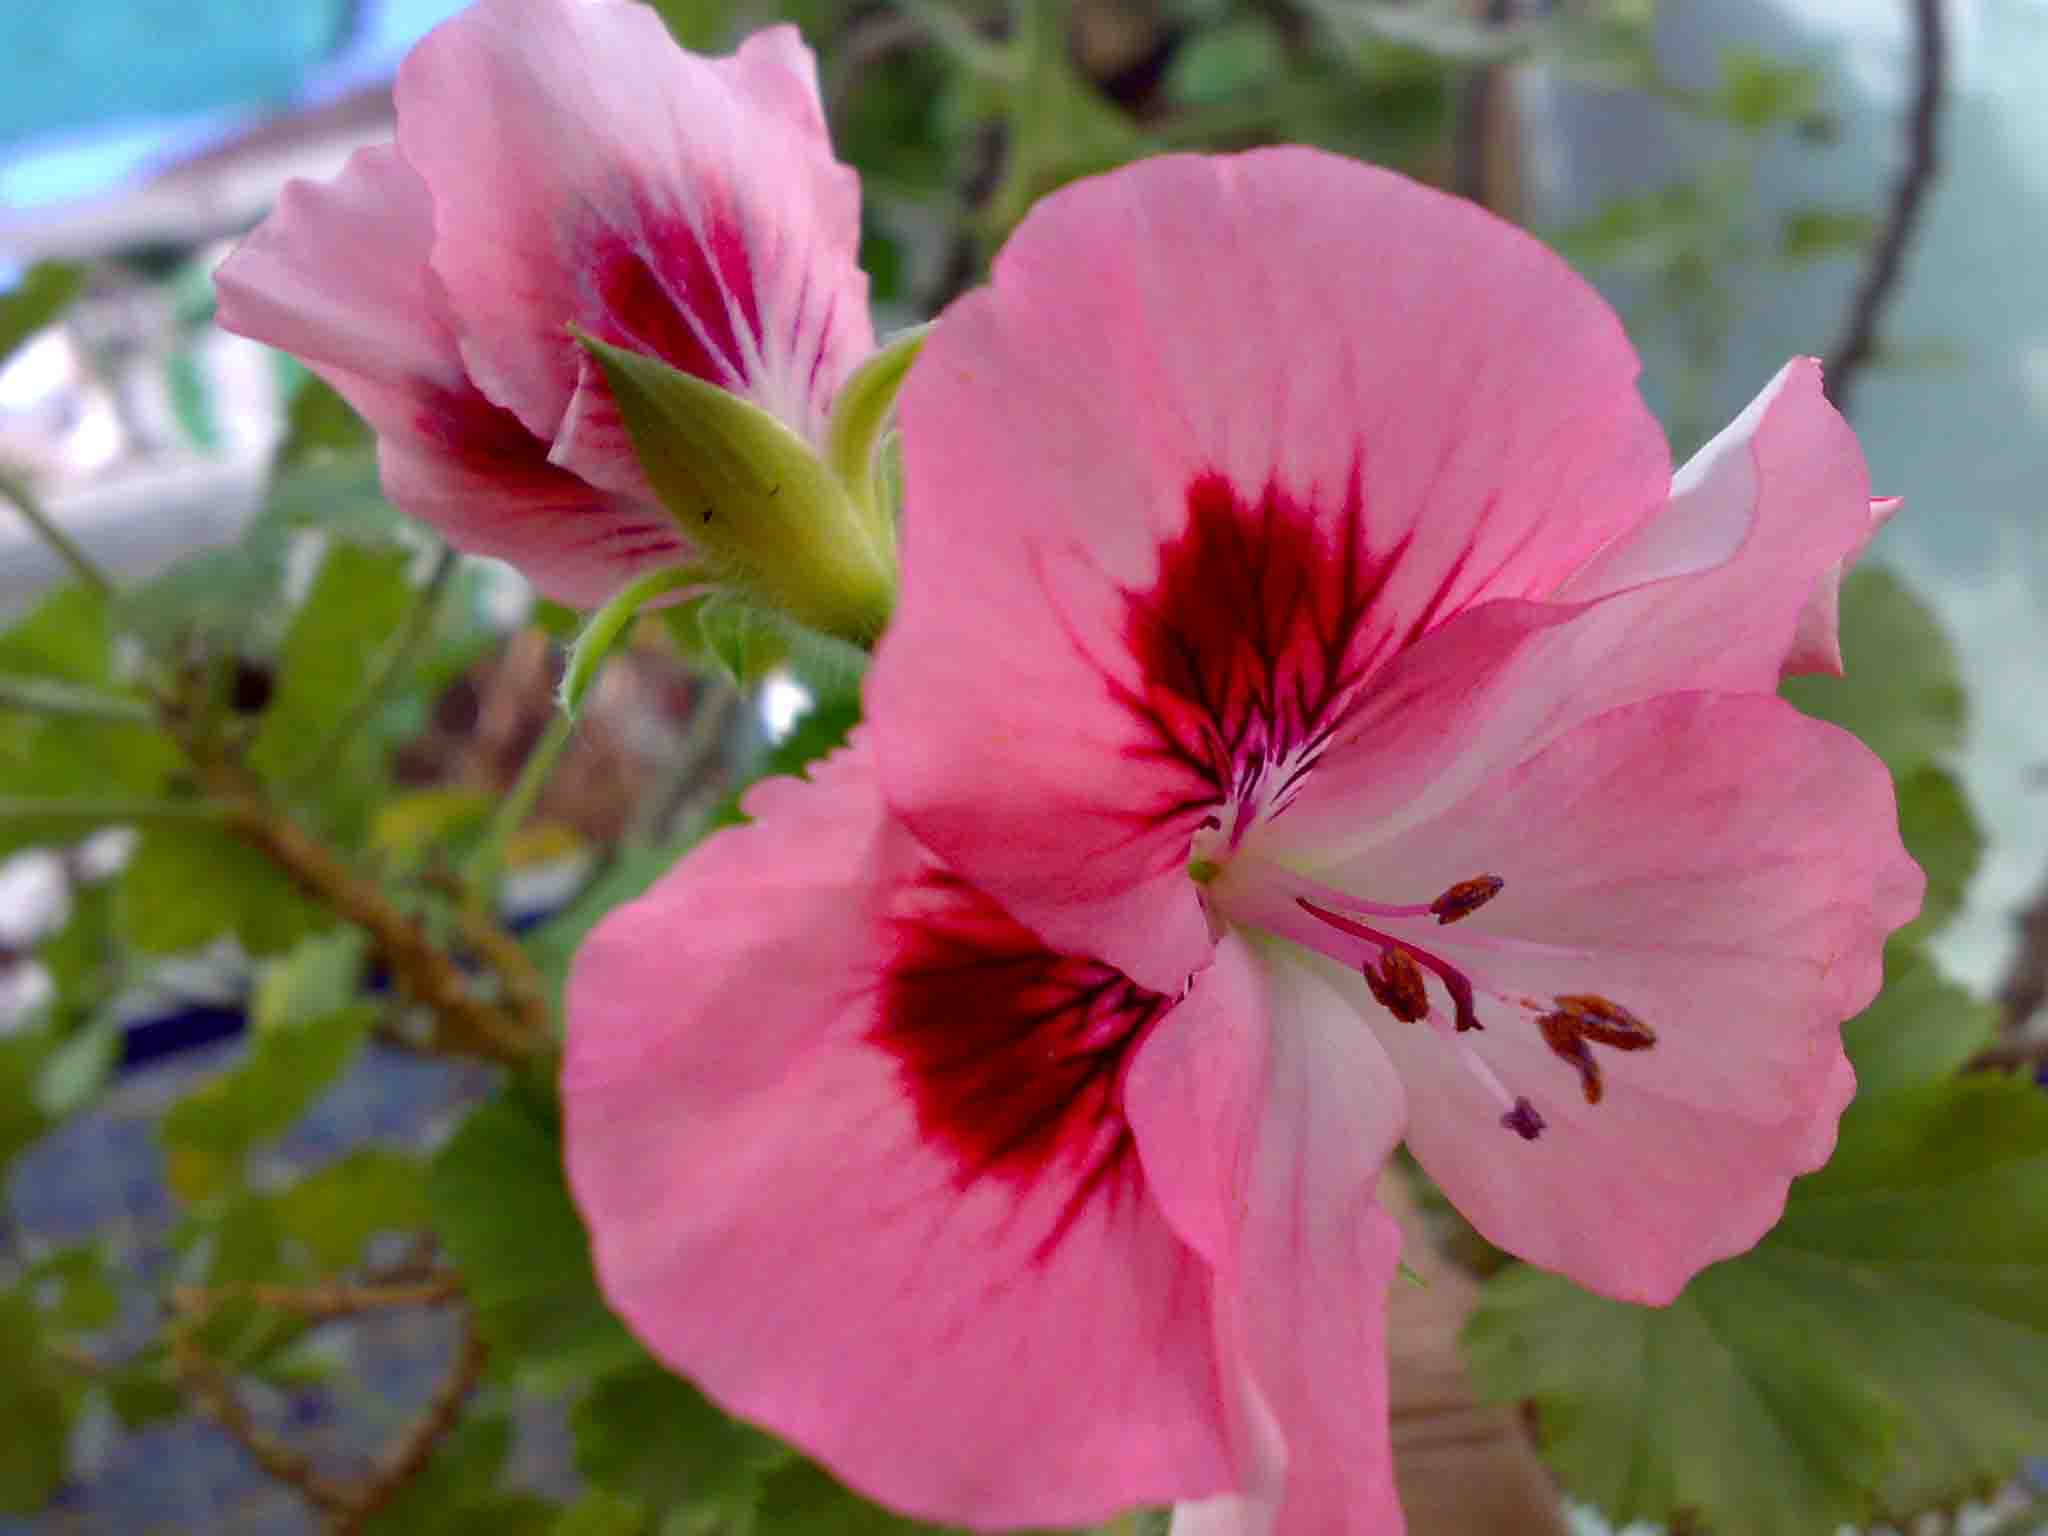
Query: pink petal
column 587, row 171
column 850, row 1148
column 1731, row 584
column 1760, row 525
column 338, row 275
column 1816, row 642
column 1248, row 424
column 1723, row 868
column 1264, row 1115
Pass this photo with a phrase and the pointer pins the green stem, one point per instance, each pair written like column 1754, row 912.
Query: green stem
column 488, row 861
column 44, row 696
column 396, row 661
column 90, row 813
column 594, row 646
column 66, row 548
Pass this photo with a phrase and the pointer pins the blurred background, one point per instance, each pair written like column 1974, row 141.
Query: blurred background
column 1745, row 179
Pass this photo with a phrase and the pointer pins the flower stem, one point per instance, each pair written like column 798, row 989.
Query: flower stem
column 59, row 541
column 487, row 863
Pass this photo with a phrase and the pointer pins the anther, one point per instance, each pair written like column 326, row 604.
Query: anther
column 1466, row 897
column 1586, row 1019
column 1397, row 985
column 1455, row 981
column 1523, row 1120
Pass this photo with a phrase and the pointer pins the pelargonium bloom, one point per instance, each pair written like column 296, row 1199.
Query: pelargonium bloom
column 1315, row 716
column 559, row 163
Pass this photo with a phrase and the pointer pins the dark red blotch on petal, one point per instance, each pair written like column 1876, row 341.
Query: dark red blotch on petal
column 1253, row 642
column 650, row 279
column 1012, row 1053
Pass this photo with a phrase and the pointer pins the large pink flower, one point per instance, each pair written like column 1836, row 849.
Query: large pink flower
column 1314, row 716
column 558, row 163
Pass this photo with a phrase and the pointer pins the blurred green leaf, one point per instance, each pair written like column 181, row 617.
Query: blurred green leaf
column 44, row 292
column 190, row 883
column 1758, row 93
column 142, row 1391
column 320, row 424
column 1879, row 1353
column 1816, row 234
column 68, row 638
column 75, row 1071
column 702, row 26
column 652, row 1435
column 632, row 870
column 805, row 1500
column 356, row 603
column 744, row 640
column 209, row 1133
column 76, row 1277
column 1943, row 837
column 503, row 1212
column 603, row 1513
column 77, row 953
column 317, row 978
column 411, row 826
column 453, row 1495
column 336, row 1211
column 1903, row 693
column 22, row 1054
column 36, row 1405
column 1922, row 1026
column 1245, row 53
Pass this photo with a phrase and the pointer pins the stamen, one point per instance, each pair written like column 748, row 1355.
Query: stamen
column 1398, row 985
column 1587, row 1017
column 1466, row 897
column 1453, row 979
column 1523, row 1120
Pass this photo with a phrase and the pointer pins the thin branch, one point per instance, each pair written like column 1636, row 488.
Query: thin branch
column 326, row 1300
column 467, row 1021
column 216, row 1398
column 1858, row 342
column 518, row 804
column 2010, row 1055
column 1473, row 124
column 416, row 1446
column 60, row 542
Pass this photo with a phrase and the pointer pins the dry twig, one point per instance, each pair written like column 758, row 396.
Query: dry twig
column 1858, row 343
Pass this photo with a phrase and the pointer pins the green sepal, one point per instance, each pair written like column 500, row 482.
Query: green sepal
column 860, row 419
column 753, row 496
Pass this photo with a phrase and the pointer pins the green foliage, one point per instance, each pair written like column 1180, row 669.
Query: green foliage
column 72, row 1287
column 1943, row 837
column 333, row 1214
column 1818, row 234
column 1880, row 1351
column 191, row 883
column 22, row 1119
column 36, row 1405
column 208, row 1134
column 1758, row 93
column 457, row 1495
column 44, row 292
column 503, row 1212
column 648, row 1434
column 1902, row 692
column 1245, row 53
column 320, row 424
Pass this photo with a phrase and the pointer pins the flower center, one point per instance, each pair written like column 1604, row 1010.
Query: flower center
column 1378, row 941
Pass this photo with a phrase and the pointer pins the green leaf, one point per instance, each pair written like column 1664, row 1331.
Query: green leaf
column 702, row 26
column 319, row 977
column 751, row 495
column 1903, row 692
column 1218, row 63
column 63, row 776
column 22, row 1120
column 804, row 1500
column 647, row 1433
column 1879, row 1353
column 358, row 600
column 76, row 1070
column 320, row 424
column 190, row 883
column 603, row 1513
column 36, row 1406
column 744, row 640
column 502, row 1210
column 463, row 1469
column 1943, row 837
column 72, row 1285
column 207, row 1134
column 335, row 1212
column 1757, row 93
column 44, row 292
column 1816, row 234
column 409, row 827
column 143, row 1391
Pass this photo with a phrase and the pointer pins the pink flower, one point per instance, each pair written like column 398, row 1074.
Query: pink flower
column 563, row 162
column 1314, row 716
